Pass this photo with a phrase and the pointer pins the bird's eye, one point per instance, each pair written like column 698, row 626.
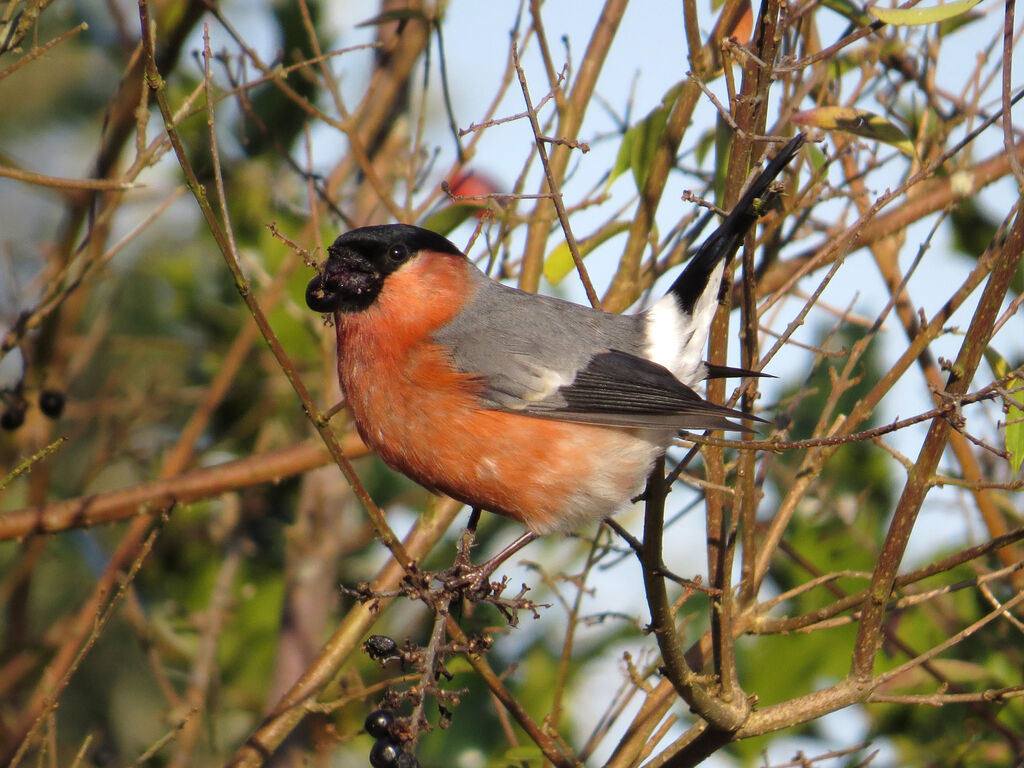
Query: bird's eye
column 397, row 254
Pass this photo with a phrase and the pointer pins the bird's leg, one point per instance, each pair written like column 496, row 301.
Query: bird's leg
column 477, row 575
column 462, row 561
column 490, row 566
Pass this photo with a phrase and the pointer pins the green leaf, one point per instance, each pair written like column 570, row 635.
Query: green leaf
column 849, row 10
column 1014, row 437
column 559, row 262
column 906, row 17
column 997, row 363
column 949, row 26
column 858, row 122
column 1015, row 424
column 644, row 142
column 640, row 142
column 448, row 218
column 817, row 157
column 530, row 753
column 704, row 144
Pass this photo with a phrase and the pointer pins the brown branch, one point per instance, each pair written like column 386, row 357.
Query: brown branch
column 723, row 714
column 113, row 506
column 956, row 639
column 473, row 127
column 57, row 182
column 204, row 664
column 762, row 623
column 553, row 188
column 863, row 410
column 947, row 408
column 38, row 51
column 939, row 699
column 1007, row 91
column 869, row 631
column 569, row 123
column 541, row 736
column 886, row 256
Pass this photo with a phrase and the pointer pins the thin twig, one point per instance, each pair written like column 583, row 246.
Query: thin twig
column 553, row 188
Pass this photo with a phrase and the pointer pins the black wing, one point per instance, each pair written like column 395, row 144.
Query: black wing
column 619, row 389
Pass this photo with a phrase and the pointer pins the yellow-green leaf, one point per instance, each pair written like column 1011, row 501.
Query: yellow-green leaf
column 816, row 156
column 1014, row 433
column 1015, row 424
column 905, row 17
column 528, row 754
column 559, row 262
column 448, row 218
column 859, row 122
column 849, row 10
column 996, row 362
column 949, row 26
column 639, row 142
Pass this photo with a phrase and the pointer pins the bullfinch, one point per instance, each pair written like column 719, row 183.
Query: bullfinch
column 538, row 409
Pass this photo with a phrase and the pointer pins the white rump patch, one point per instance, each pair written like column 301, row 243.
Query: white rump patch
column 668, row 335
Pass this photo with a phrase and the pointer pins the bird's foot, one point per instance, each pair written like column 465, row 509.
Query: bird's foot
column 474, row 581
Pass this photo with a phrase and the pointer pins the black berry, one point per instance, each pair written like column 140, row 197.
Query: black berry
column 380, row 647
column 378, row 723
column 385, row 754
column 13, row 417
column 51, row 403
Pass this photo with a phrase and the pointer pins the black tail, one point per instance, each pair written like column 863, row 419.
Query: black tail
column 727, row 372
column 724, row 241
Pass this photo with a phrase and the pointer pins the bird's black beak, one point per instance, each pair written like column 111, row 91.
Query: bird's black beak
column 348, row 282
column 320, row 297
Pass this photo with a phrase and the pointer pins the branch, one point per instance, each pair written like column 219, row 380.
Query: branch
column 869, row 631
column 113, row 506
column 553, row 188
column 570, row 120
column 723, row 715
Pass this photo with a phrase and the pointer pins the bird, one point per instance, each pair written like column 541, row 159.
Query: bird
column 538, row 409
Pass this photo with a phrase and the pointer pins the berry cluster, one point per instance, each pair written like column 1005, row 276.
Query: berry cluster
column 387, row 752
column 51, row 403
